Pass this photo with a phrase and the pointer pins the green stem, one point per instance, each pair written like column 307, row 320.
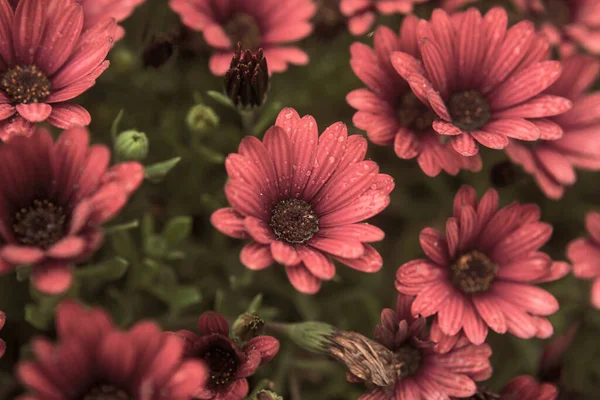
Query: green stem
column 248, row 119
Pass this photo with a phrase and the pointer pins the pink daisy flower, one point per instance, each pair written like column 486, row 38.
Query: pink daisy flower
column 94, row 360
column 301, row 197
column 525, row 387
column 482, row 273
column 566, row 23
column 266, row 24
column 480, row 78
column 97, row 11
column 552, row 163
column 424, row 373
column 46, row 60
column 361, row 13
column 228, row 363
column 54, row 198
column 584, row 253
column 389, row 111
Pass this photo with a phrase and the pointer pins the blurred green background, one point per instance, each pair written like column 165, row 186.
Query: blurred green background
column 171, row 270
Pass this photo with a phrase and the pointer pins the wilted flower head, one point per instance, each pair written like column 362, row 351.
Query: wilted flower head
column 247, row 80
column 301, row 197
column 54, row 199
column 552, row 162
column 266, row 24
column 389, row 111
column 482, row 272
column 229, row 363
column 36, row 85
column 584, row 253
column 481, row 79
column 94, row 360
column 362, row 13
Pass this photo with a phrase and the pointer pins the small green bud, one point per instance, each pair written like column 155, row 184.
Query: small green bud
column 132, row 146
column 267, row 395
column 202, row 118
column 122, row 59
column 312, row 336
column 248, row 325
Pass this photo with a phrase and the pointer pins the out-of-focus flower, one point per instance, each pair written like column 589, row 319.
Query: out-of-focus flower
column 267, row 395
column 266, row 24
column 301, row 197
column 566, row 23
column 362, row 13
column 201, row 118
column 481, row 274
column 482, row 80
column 552, row 163
column 328, row 20
column 247, row 80
column 36, row 85
column 94, row 360
column 551, row 361
column 228, row 362
column 2, row 343
column 419, row 371
column 54, row 198
column 525, row 387
column 159, row 50
column 98, row 11
column 132, row 145
column 584, row 253
column 390, row 112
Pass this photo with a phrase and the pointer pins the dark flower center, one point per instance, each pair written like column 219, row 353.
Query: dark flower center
column 407, row 361
column 294, row 221
column 25, row 84
column 243, row 28
column 469, row 110
column 473, row 272
column 106, row 392
column 41, row 224
column 414, row 114
column 223, row 364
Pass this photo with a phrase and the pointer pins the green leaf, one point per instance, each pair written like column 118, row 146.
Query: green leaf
column 93, row 277
column 210, row 155
column 255, row 303
column 157, row 172
column 220, row 98
column 147, row 227
column 122, row 227
column 156, row 246
column 38, row 317
column 124, row 245
column 177, row 230
column 177, row 297
column 114, row 129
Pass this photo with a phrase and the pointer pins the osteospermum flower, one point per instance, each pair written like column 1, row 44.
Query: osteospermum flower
column 301, row 197
column 46, row 60
column 525, row 387
column 422, row 372
column 390, row 112
column 482, row 273
column 53, row 200
column 566, row 23
column 94, row 360
column 362, row 13
column 98, row 11
column 480, row 78
column 584, row 253
column 552, row 163
column 228, row 362
column 266, row 24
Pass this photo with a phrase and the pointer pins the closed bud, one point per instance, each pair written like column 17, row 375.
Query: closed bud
column 267, row 395
column 202, row 118
column 159, row 50
column 131, row 146
column 247, row 80
column 248, row 325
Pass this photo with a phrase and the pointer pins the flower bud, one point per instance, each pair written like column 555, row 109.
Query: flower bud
column 267, row 395
column 202, row 118
column 131, row 146
column 248, row 325
column 159, row 50
column 247, row 80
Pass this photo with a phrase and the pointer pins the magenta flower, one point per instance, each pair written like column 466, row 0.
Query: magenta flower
column 94, row 360
column 525, row 387
column 481, row 274
column 54, row 198
column 390, row 112
column 97, row 11
column 301, row 197
column 362, row 13
column 584, row 253
column 481, row 79
column 423, row 372
column 228, row 363
column 552, row 162
column 567, row 23
column 36, row 85
column 266, row 24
